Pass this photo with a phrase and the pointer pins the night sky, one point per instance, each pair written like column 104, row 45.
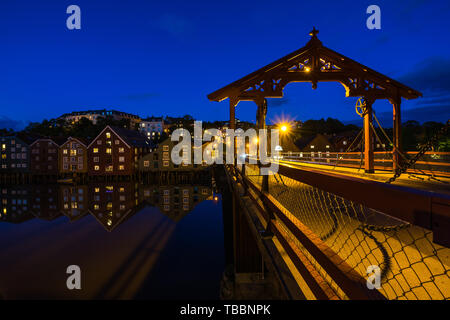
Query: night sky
column 164, row 57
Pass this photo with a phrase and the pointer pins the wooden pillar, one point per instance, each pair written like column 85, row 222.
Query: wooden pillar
column 233, row 125
column 368, row 138
column 397, row 133
column 261, row 123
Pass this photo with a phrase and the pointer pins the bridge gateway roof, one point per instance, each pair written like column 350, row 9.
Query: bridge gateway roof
column 314, row 63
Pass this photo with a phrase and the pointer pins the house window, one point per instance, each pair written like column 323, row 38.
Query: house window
column 116, row 142
column 121, row 150
column 96, row 159
column 73, row 152
column 121, row 159
column 166, row 163
column 312, row 147
column 165, row 148
column 109, row 168
column 65, row 151
column 65, row 166
column 121, row 167
column 95, row 150
column 146, row 163
column 108, row 135
column 80, row 167
column 99, row 141
column 327, row 146
column 96, row 168
column 108, row 150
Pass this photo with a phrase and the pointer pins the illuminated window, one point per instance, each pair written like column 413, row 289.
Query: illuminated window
column 96, row 168
column 73, row 152
column 121, row 167
column 165, row 148
column 3, row 156
column 121, row 150
column 166, row 163
column 3, row 147
column 109, row 168
column 96, row 206
column 116, row 142
column 97, row 189
column 121, row 159
column 95, row 150
column 108, row 150
column 121, row 189
column 108, row 135
column 146, row 163
column 312, row 147
column 327, row 146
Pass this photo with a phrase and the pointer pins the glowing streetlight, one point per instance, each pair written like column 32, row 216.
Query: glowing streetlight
column 283, row 128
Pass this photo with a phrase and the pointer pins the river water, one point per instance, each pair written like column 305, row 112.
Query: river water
column 129, row 240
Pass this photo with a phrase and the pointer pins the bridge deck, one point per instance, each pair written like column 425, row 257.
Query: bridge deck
column 439, row 184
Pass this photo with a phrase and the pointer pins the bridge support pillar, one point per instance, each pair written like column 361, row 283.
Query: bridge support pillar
column 368, row 138
column 261, row 124
column 397, row 133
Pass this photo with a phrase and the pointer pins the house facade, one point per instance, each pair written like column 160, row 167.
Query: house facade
column 72, row 156
column 15, row 155
column 44, row 157
column 160, row 159
column 116, row 151
column 152, row 127
column 95, row 115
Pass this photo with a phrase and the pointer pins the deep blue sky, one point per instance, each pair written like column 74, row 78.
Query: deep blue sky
column 164, row 57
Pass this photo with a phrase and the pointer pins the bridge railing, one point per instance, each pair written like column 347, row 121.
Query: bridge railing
column 437, row 163
column 336, row 231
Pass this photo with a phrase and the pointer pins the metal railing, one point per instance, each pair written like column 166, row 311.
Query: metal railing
column 335, row 228
column 437, row 163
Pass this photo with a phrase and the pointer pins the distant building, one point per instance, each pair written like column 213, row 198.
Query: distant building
column 94, row 115
column 317, row 143
column 44, row 157
column 73, row 156
column 15, row 154
column 152, row 127
column 116, row 151
column 160, row 159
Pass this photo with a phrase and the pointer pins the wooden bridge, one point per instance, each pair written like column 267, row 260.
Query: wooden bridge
column 319, row 224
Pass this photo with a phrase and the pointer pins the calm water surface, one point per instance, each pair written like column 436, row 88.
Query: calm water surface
column 130, row 241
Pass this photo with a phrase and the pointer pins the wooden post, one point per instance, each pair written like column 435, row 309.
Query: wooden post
column 261, row 122
column 397, row 133
column 233, row 125
column 368, row 138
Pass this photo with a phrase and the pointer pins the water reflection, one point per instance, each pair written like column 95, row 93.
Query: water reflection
column 131, row 240
column 110, row 203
